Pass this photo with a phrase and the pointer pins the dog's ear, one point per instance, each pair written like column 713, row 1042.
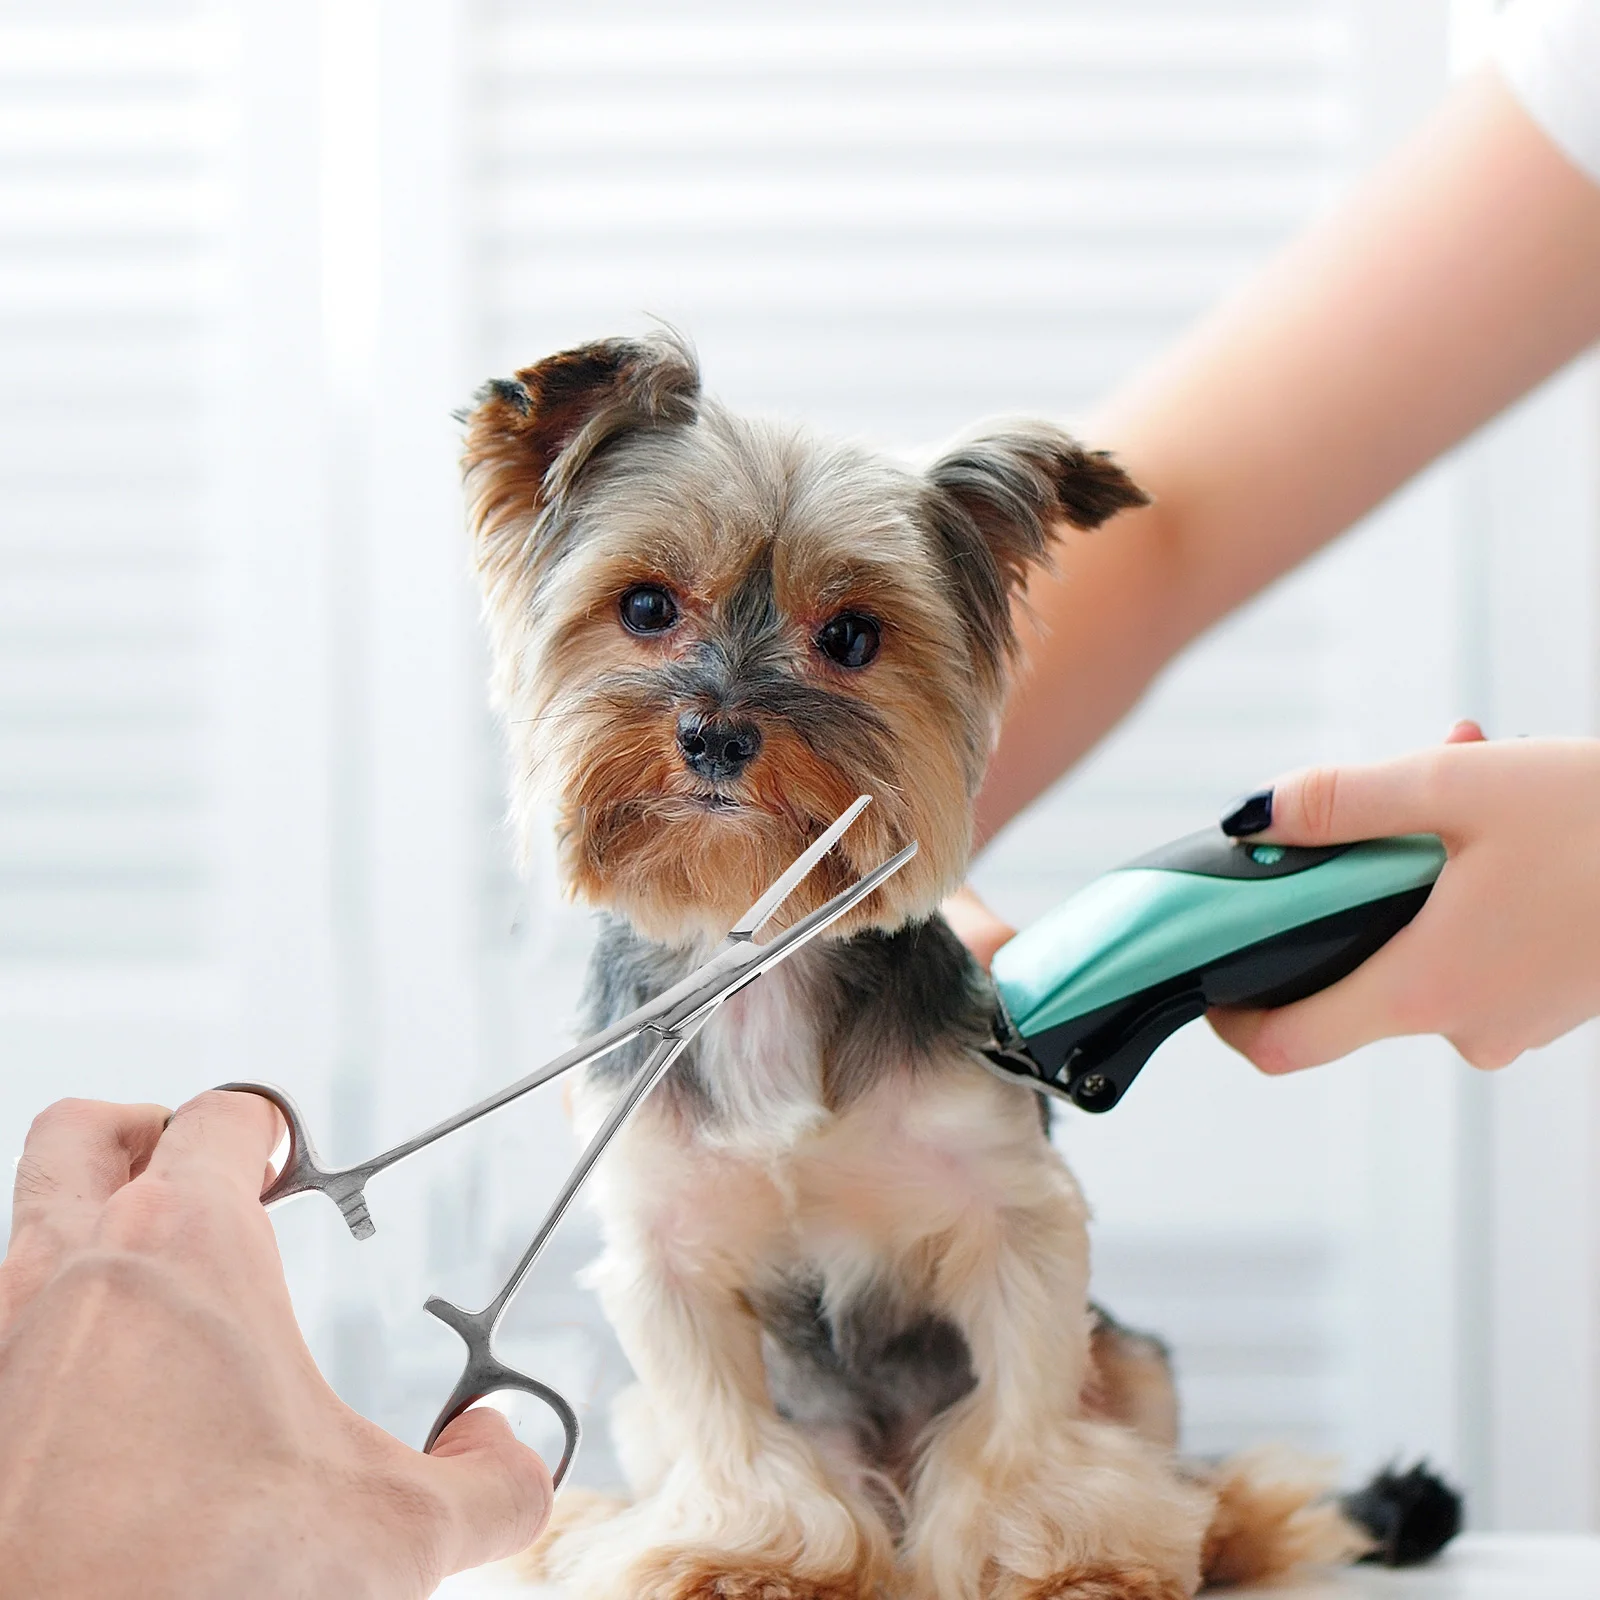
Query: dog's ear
column 996, row 504
column 529, row 437
column 1013, row 486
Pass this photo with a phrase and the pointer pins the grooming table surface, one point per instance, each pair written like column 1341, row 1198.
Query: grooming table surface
column 1478, row 1567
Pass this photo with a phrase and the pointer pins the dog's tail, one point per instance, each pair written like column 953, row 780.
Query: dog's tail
column 1273, row 1514
column 1409, row 1516
column 1273, row 1509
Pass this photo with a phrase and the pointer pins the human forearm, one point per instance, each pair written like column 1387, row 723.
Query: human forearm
column 1454, row 280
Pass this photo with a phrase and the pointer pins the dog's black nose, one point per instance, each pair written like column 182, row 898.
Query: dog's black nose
column 716, row 748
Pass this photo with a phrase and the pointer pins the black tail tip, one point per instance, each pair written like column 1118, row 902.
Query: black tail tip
column 1412, row 1515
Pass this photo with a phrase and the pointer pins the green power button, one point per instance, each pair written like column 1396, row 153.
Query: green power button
column 1267, row 855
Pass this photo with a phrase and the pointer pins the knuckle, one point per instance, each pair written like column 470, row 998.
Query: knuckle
column 414, row 1503
column 419, row 1514
column 1436, row 778
column 67, row 1116
column 1319, row 800
column 527, row 1489
column 1271, row 1049
column 34, row 1181
column 102, row 1277
column 1487, row 1053
column 531, row 1506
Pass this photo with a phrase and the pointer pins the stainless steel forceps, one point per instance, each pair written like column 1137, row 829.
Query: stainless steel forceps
column 674, row 1017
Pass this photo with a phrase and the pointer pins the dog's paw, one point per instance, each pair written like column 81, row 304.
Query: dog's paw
column 576, row 1511
column 1116, row 1582
column 707, row 1575
column 705, row 1547
column 1090, row 1512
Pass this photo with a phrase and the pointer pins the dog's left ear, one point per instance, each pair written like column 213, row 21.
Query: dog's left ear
column 997, row 502
column 529, row 438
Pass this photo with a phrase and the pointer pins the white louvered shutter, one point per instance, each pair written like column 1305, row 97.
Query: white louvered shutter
column 113, row 207
column 252, row 253
column 164, row 900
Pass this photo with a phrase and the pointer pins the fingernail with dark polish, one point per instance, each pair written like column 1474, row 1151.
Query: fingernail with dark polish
column 1252, row 814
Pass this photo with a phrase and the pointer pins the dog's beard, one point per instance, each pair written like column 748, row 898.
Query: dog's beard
column 683, row 858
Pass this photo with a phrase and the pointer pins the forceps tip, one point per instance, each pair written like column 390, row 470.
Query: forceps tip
column 756, row 918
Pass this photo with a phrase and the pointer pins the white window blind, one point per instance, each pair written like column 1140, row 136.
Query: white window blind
column 893, row 219
column 251, row 254
column 110, row 215
column 114, row 210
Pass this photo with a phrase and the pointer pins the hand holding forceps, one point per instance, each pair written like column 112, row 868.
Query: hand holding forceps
column 674, row 1017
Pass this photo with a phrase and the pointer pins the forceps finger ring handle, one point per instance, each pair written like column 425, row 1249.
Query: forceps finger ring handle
column 484, row 1375
column 301, row 1171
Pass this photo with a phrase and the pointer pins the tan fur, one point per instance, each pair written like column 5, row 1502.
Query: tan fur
column 1102, row 1583
column 686, row 1575
column 1273, row 1516
column 575, row 1509
column 1130, row 1383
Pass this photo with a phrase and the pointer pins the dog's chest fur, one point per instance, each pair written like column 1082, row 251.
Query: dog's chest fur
column 760, row 1067
column 822, row 1119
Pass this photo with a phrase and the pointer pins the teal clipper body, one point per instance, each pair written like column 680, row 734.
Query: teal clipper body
column 1088, row 992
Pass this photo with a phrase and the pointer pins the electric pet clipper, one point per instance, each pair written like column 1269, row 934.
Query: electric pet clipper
column 1088, row 992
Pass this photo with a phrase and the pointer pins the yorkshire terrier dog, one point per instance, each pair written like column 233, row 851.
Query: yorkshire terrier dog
column 847, row 1265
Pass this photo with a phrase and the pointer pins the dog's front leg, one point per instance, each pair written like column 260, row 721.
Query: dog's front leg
column 745, row 1510
column 1018, row 1496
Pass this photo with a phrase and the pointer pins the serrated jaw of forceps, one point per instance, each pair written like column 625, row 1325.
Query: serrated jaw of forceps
column 301, row 1171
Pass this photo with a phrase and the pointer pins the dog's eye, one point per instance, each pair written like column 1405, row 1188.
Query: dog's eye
column 850, row 639
column 648, row 609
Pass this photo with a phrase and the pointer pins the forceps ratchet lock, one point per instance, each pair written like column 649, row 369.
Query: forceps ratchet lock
column 673, row 1018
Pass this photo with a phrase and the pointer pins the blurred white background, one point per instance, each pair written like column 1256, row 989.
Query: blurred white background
column 251, row 256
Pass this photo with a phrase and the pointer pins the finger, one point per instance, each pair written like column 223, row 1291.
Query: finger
column 80, row 1152
column 498, row 1489
column 227, row 1133
column 1335, row 805
column 1466, row 731
column 1357, row 1010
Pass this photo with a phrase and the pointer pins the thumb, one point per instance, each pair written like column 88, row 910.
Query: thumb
column 1363, row 1007
column 497, row 1488
column 1337, row 805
